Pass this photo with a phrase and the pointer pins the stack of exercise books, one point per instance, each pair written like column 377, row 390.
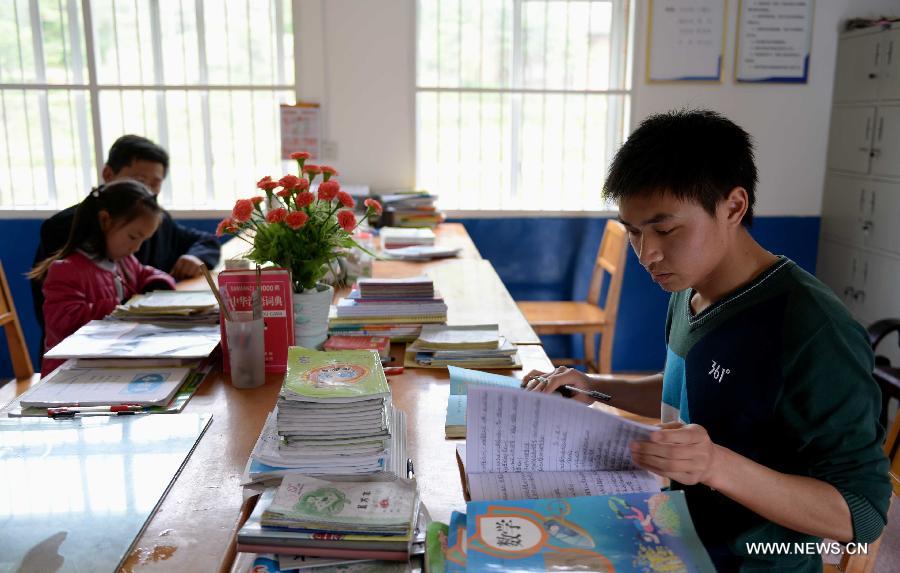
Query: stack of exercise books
column 170, row 306
column 394, row 308
column 410, row 209
column 333, row 417
column 130, row 366
column 377, row 518
column 473, row 346
column 398, row 237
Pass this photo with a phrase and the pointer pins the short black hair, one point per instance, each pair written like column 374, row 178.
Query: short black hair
column 697, row 155
column 130, row 147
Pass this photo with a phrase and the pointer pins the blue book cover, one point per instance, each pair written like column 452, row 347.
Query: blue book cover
column 460, row 378
column 456, row 544
column 640, row 532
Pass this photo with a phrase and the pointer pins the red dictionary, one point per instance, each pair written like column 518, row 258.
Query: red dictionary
column 380, row 343
column 278, row 311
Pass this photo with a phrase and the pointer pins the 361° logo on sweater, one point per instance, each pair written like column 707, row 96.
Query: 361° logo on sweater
column 718, row 372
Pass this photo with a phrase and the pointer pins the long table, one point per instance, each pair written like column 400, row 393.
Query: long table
column 194, row 527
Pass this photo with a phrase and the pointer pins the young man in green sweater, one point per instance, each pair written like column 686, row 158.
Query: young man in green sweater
column 769, row 409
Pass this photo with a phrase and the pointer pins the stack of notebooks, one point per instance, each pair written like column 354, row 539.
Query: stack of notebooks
column 398, row 237
column 339, row 517
column 474, row 346
column 410, row 209
column 395, row 308
column 334, row 417
column 170, row 306
column 150, row 367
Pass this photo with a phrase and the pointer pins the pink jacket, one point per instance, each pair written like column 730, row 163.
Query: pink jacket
column 77, row 290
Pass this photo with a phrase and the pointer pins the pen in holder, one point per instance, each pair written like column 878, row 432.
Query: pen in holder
column 244, row 331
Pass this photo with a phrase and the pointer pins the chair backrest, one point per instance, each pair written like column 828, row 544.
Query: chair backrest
column 883, row 554
column 611, row 258
column 9, row 320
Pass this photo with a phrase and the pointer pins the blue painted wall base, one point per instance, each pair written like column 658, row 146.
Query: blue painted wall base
column 537, row 259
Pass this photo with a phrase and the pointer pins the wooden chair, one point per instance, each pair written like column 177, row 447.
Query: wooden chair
column 9, row 320
column 588, row 318
column 884, row 552
column 886, row 375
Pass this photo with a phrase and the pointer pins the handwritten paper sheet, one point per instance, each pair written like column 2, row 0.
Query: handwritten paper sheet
column 542, row 485
column 509, row 430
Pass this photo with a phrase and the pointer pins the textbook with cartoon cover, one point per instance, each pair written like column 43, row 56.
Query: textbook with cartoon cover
column 640, row 532
column 337, row 377
column 385, row 506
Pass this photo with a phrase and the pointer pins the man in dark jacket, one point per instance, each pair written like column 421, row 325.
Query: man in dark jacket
column 175, row 249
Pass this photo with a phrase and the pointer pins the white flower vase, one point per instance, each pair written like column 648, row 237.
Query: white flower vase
column 311, row 315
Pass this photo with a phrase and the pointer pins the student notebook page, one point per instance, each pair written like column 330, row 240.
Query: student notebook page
column 524, row 445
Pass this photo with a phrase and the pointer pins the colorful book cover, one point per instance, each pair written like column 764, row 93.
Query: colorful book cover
column 436, row 542
column 641, row 532
column 341, row 375
column 456, row 544
column 278, row 311
column 460, row 378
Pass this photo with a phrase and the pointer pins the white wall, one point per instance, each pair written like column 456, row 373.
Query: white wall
column 357, row 59
column 788, row 122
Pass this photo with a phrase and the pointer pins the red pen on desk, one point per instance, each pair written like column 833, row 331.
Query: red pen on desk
column 78, row 409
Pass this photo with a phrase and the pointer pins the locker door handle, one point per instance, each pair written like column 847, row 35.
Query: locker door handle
column 880, row 127
column 859, row 296
column 877, row 52
column 890, row 52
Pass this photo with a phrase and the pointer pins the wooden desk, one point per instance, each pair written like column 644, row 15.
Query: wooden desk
column 195, row 524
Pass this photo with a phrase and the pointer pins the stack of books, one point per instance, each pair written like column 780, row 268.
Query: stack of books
column 124, row 365
column 410, row 209
column 371, row 519
column 380, row 344
column 398, row 237
column 334, row 417
column 170, row 306
column 472, row 346
column 394, row 308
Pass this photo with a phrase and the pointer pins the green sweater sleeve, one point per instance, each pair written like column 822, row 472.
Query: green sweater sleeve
column 829, row 407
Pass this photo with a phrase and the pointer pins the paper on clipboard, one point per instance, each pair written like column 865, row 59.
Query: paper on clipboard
column 301, row 129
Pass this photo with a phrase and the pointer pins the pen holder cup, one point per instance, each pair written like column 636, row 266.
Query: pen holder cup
column 246, row 353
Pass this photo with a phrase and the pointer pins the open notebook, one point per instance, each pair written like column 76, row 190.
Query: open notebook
column 529, row 445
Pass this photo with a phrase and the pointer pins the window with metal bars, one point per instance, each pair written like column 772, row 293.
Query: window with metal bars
column 203, row 78
column 520, row 104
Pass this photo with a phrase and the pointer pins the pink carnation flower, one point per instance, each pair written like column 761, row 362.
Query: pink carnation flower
column 328, row 190
column 345, row 198
column 296, row 219
column 276, row 215
column 304, row 199
column 373, row 204
column 243, row 209
column 347, row 220
column 289, row 181
column 226, row 225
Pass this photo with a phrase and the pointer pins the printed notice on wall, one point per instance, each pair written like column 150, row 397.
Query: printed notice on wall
column 686, row 40
column 300, row 129
column 774, row 41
